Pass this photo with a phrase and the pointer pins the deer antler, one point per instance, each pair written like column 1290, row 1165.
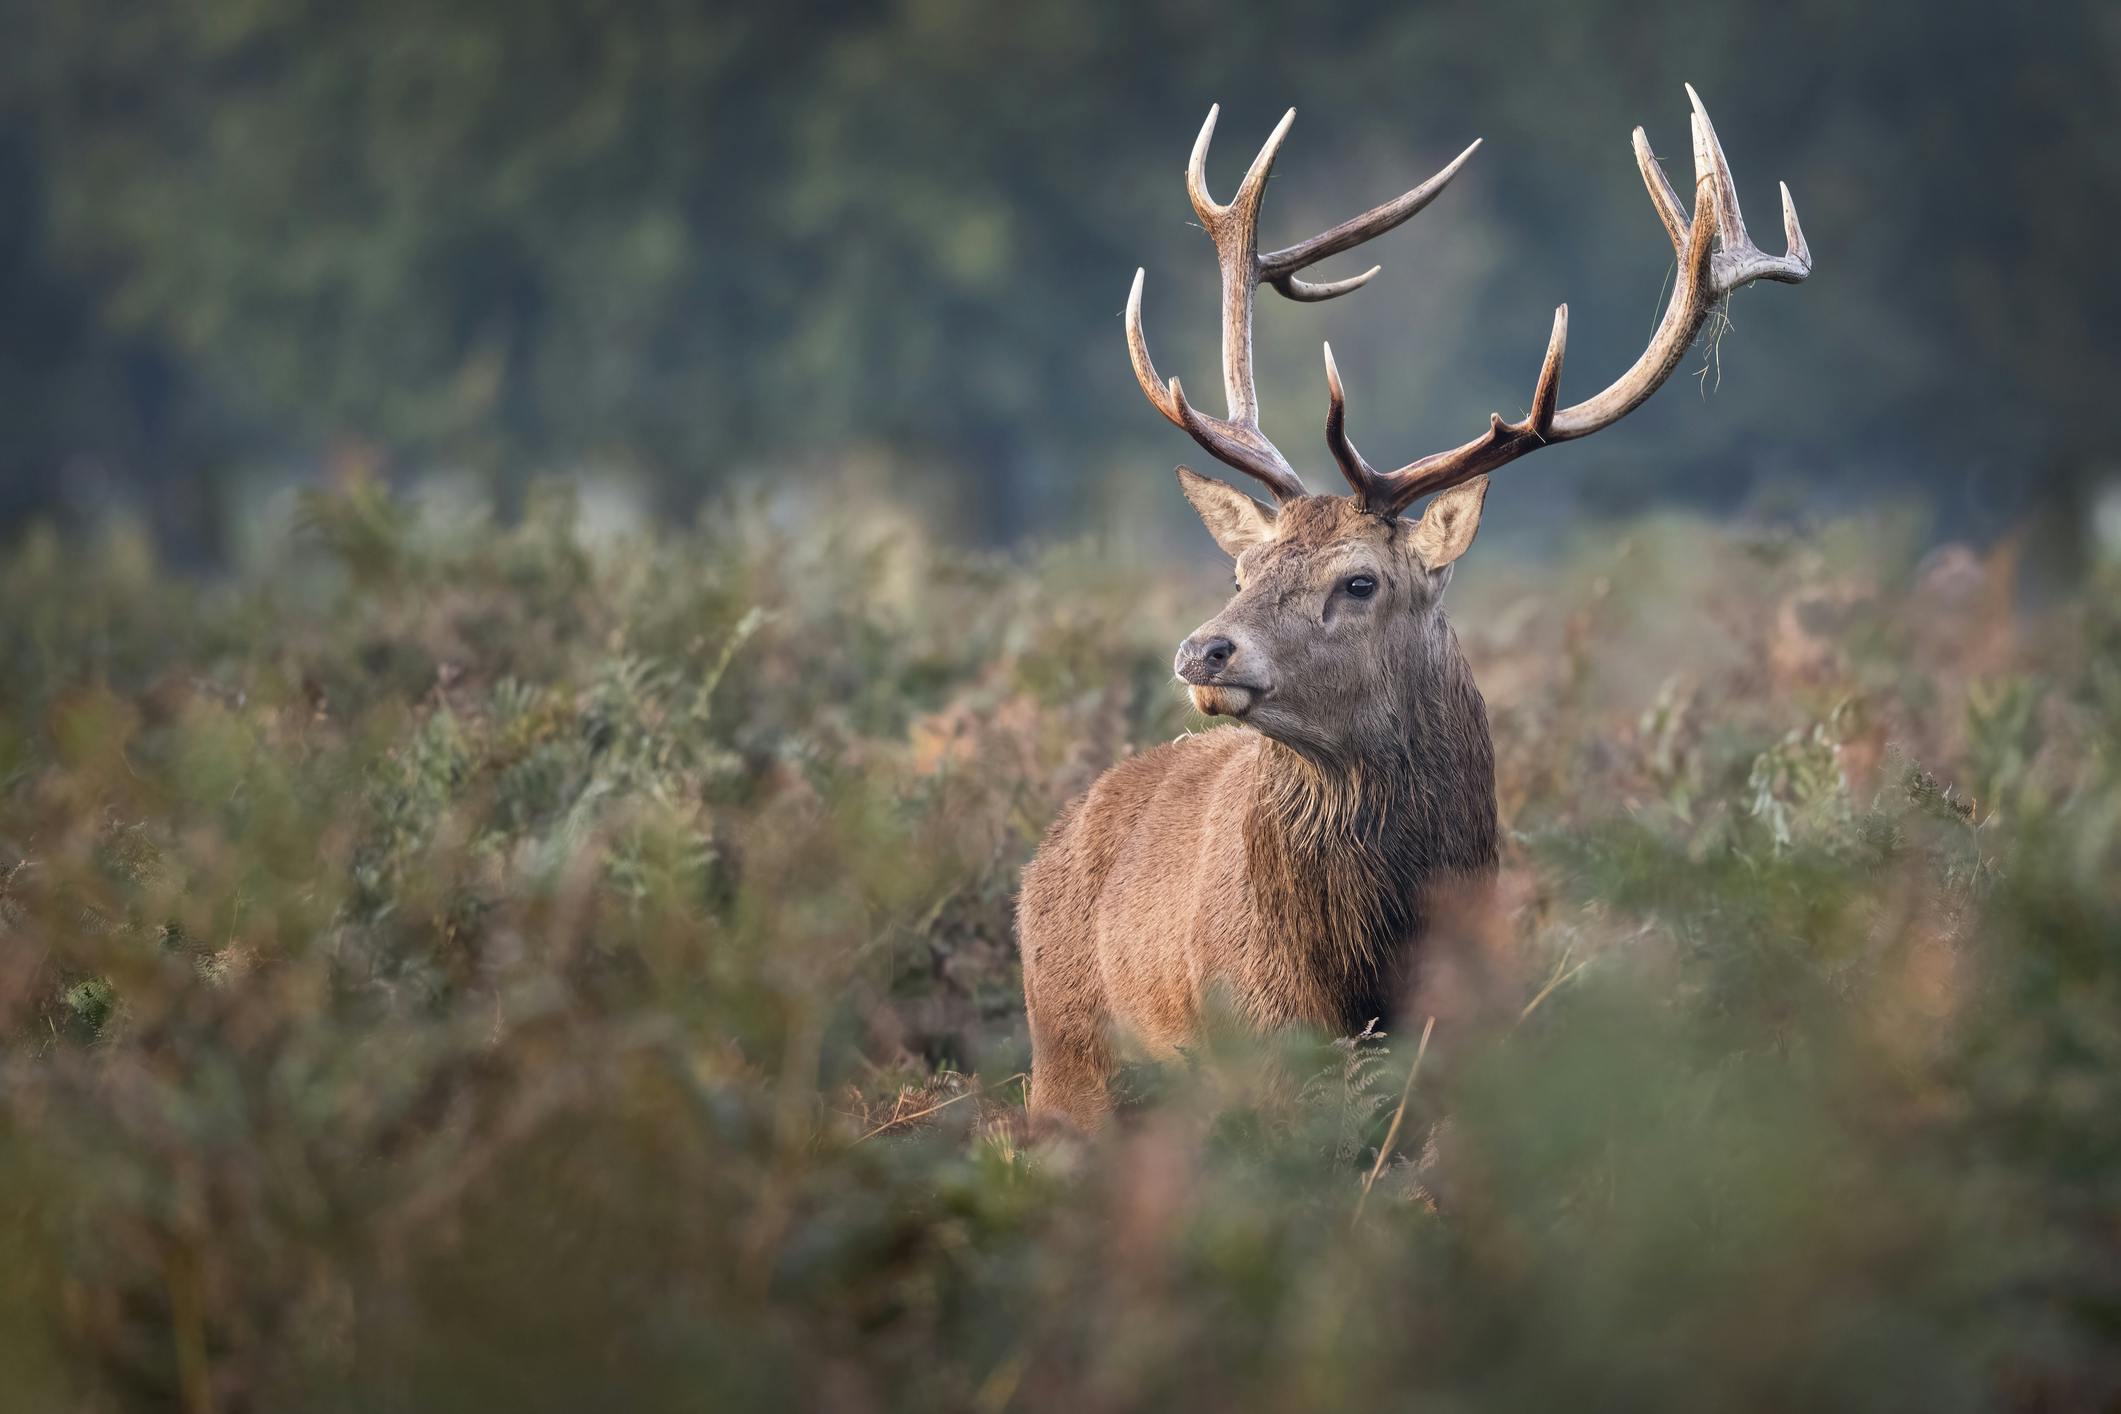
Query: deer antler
column 1716, row 256
column 1236, row 440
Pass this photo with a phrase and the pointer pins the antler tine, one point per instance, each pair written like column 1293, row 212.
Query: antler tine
column 1716, row 256
column 1314, row 292
column 1278, row 268
column 1546, row 392
column 1254, row 186
column 1204, row 205
column 1138, row 353
column 1360, row 474
column 1670, row 209
column 1234, row 227
column 1799, row 249
column 1710, row 164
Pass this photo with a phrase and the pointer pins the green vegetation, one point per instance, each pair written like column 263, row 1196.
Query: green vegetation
column 447, row 967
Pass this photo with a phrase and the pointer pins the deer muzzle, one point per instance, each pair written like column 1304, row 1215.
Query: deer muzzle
column 1211, row 667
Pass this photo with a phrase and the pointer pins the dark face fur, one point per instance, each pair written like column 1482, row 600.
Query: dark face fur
column 1337, row 621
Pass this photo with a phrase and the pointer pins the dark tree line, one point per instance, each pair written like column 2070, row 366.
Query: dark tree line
column 695, row 243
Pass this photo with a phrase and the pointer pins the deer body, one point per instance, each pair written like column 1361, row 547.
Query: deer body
column 1227, row 865
column 1291, row 862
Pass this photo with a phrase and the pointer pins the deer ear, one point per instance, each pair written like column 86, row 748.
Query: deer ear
column 1446, row 528
column 1235, row 520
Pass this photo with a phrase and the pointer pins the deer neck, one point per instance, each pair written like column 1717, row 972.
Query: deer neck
column 1343, row 848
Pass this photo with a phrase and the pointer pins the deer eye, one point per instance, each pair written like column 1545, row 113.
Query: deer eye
column 1360, row 586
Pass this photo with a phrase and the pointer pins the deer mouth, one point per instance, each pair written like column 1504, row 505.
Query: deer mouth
column 1225, row 699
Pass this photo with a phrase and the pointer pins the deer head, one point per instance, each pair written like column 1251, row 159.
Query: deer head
column 1336, row 617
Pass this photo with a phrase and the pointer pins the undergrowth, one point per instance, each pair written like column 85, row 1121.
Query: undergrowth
column 447, row 966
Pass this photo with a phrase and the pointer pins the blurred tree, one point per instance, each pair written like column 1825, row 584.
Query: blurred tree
column 688, row 240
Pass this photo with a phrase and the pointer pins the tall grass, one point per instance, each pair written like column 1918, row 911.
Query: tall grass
column 458, row 967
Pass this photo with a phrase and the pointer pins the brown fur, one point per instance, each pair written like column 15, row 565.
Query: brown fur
column 1285, row 863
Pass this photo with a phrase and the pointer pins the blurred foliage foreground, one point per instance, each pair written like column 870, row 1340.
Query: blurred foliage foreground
column 453, row 967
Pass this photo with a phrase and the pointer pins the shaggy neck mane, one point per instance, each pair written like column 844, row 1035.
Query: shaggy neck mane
column 1343, row 851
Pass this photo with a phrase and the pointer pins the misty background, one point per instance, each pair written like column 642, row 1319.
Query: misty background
column 674, row 249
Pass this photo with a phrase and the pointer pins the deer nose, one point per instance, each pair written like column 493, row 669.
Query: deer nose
column 1200, row 660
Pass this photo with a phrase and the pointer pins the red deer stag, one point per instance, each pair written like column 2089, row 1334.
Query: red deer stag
column 1289, row 861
